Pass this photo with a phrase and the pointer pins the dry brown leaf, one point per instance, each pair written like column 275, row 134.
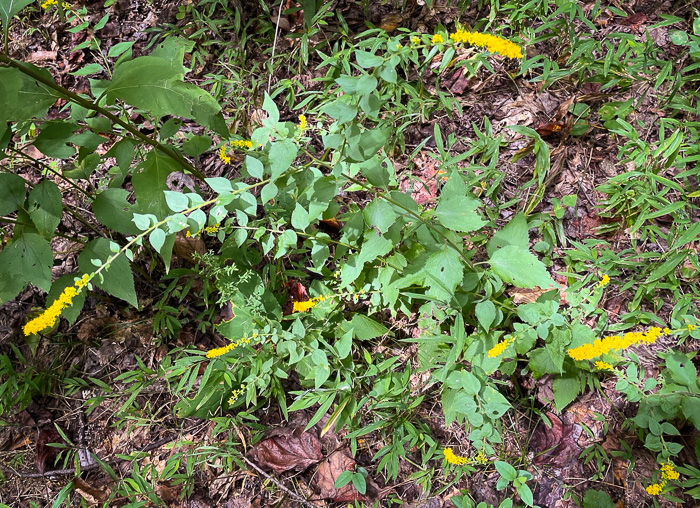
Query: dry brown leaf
column 92, row 495
column 555, row 446
column 185, row 246
column 45, row 454
column 327, row 474
column 288, row 448
column 525, row 295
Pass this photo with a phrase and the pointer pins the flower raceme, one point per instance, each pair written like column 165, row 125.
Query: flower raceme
column 49, row 317
column 220, row 351
column 452, row 458
column 613, row 343
column 492, row 43
column 667, row 473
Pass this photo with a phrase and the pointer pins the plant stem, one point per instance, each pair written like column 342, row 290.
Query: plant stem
column 77, row 99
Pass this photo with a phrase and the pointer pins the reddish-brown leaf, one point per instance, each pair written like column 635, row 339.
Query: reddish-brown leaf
column 45, row 454
column 328, row 472
column 555, row 446
column 288, row 448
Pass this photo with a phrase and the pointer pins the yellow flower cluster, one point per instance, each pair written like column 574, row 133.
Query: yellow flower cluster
column 603, row 366
column 492, row 43
column 452, row 458
column 604, row 281
column 308, row 304
column 48, row 318
column 302, row 123
column 219, row 351
column 242, row 143
column 691, row 328
column 667, row 473
column 437, row 39
column 613, row 343
column 211, row 230
column 235, row 394
column 223, row 156
column 49, row 3
column 498, row 349
column 415, row 40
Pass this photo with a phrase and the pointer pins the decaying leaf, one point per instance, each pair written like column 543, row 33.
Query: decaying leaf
column 186, row 246
column 328, row 472
column 555, row 446
column 288, row 448
column 92, row 495
column 45, row 454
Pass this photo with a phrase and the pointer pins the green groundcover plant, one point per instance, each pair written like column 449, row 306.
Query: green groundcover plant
column 449, row 263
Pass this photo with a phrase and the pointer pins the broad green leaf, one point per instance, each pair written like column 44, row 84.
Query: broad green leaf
column 254, row 167
column 118, row 279
column 513, row 233
column 157, row 239
column 53, row 139
column 196, row 145
column 28, row 259
column 366, row 328
column 444, row 271
column 300, row 217
column 176, row 201
column 45, row 206
column 282, row 155
column 380, row 214
column 22, row 97
column 366, row 60
column 9, row 8
column 150, row 183
column 565, row 390
column 112, row 210
column 458, row 213
column 269, row 107
column 485, row 313
column 12, row 193
column 519, row 267
column 155, row 84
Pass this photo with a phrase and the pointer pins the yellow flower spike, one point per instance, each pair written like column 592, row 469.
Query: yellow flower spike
column 691, row 328
column 48, row 318
column 613, row 343
column 604, row 281
column 492, row 43
column 667, row 331
column 223, row 156
column 437, row 39
column 415, row 40
column 603, row 366
column 242, row 143
column 668, row 472
column 452, row 458
column 498, row 349
column 302, row 123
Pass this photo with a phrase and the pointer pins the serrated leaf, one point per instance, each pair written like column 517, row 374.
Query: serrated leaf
column 565, row 391
column 23, row 97
column 150, row 183
column 117, row 280
column 155, row 84
column 380, row 214
column 519, row 267
column 113, row 211
column 444, row 271
column 282, row 155
column 12, row 193
column 26, row 259
column 513, row 233
column 458, row 213
column 45, row 207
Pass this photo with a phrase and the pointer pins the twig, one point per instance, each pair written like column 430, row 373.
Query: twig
column 282, row 487
column 72, row 470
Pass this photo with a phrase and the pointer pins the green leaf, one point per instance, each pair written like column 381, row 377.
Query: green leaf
column 300, row 217
column 196, row 145
column 597, row 499
column 23, row 97
column 485, row 313
column 113, row 211
column 513, row 233
column 458, row 213
column 45, row 206
column 519, row 267
column 12, row 193
column 89, row 69
column 367, row 60
column 27, row 259
column 9, row 8
column 254, row 167
column 380, row 214
column 270, row 108
column 282, row 155
column 157, row 239
column 565, row 390
column 366, row 328
column 176, row 201
column 118, row 279
column 443, row 272
column 53, row 139
column 155, row 84
column 150, row 183
column 506, row 470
